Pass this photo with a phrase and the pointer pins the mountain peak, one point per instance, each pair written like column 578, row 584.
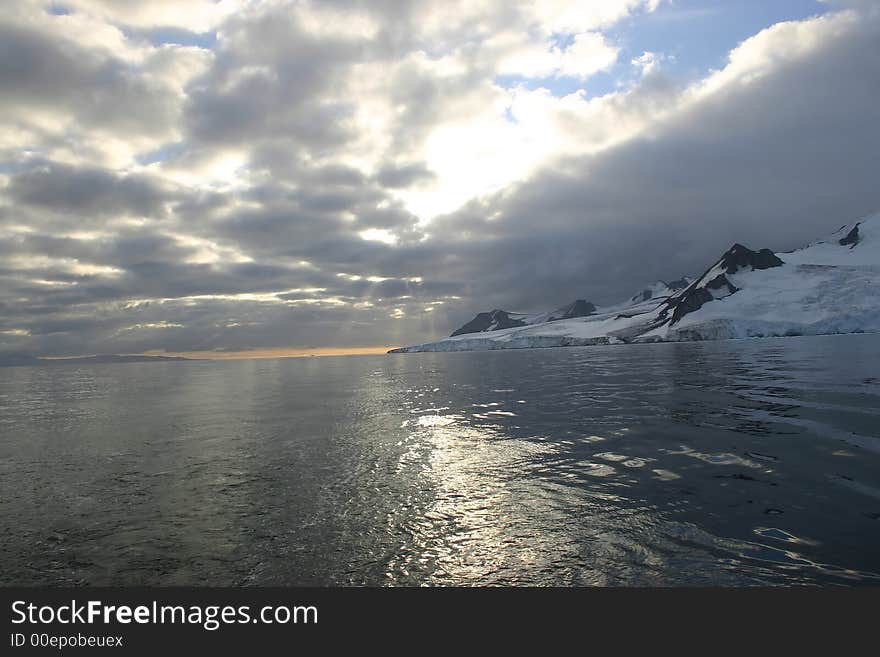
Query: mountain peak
column 715, row 284
column 491, row 321
column 498, row 319
column 679, row 284
column 829, row 286
column 659, row 290
column 852, row 237
column 578, row 308
column 739, row 256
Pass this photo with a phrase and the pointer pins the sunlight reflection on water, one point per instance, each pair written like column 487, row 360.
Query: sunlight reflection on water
column 738, row 463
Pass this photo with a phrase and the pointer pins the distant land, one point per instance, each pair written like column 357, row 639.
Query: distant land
column 831, row 286
column 10, row 360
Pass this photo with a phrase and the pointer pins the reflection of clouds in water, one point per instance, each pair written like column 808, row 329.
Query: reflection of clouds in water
column 760, row 554
column 647, row 464
column 591, row 480
column 625, row 460
column 724, row 458
column 857, row 486
column 822, row 429
column 527, row 494
column 665, row 475
column 781, row 535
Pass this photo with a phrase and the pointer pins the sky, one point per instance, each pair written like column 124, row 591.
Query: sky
column 277, row 176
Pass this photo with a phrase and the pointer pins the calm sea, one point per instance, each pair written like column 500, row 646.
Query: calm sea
column 752, row 462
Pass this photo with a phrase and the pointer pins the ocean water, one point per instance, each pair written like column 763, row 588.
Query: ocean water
column 737, row 463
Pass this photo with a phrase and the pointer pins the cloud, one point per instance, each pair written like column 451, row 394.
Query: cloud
column 588, row 53
column 199, row 15
column 750, row 154
column 78, row 90
column 290, row 174
column 647, row 62
column 90, row 193
column 404, row 175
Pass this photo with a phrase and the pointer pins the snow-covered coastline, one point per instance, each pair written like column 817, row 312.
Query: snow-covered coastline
column 829, row 287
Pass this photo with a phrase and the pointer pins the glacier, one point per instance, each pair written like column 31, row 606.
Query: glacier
column 831, row 286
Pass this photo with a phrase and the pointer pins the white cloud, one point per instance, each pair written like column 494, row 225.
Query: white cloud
column 588, row 53
column 647, row 62
column 774, row 48
column 378, row 235
column 195, row 15
column 578, row 16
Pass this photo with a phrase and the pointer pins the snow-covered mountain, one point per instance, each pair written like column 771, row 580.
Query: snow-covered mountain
column 660, row 289
column 495, row 320
column 829, row 286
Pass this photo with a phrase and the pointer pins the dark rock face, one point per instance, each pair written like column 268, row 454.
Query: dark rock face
column 493, row 320
column 648, row 294
column 496, row 320
column 687, row 303
column 579, row 308
column 851, row 239
column 739, row 256
column 736, row 258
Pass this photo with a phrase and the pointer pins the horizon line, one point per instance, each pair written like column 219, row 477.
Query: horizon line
column 270, row 352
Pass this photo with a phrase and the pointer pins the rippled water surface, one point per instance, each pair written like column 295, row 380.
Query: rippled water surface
column 727, row 463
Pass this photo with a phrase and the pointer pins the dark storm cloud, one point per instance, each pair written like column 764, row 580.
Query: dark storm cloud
column 268, row 79
column 394, row 176
column 88, row 191
column 276, row 229
column 118, row 250
column 333, row 175
column 393, row 215
column 54, row 73
column 309, row 225
column 329, row 201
